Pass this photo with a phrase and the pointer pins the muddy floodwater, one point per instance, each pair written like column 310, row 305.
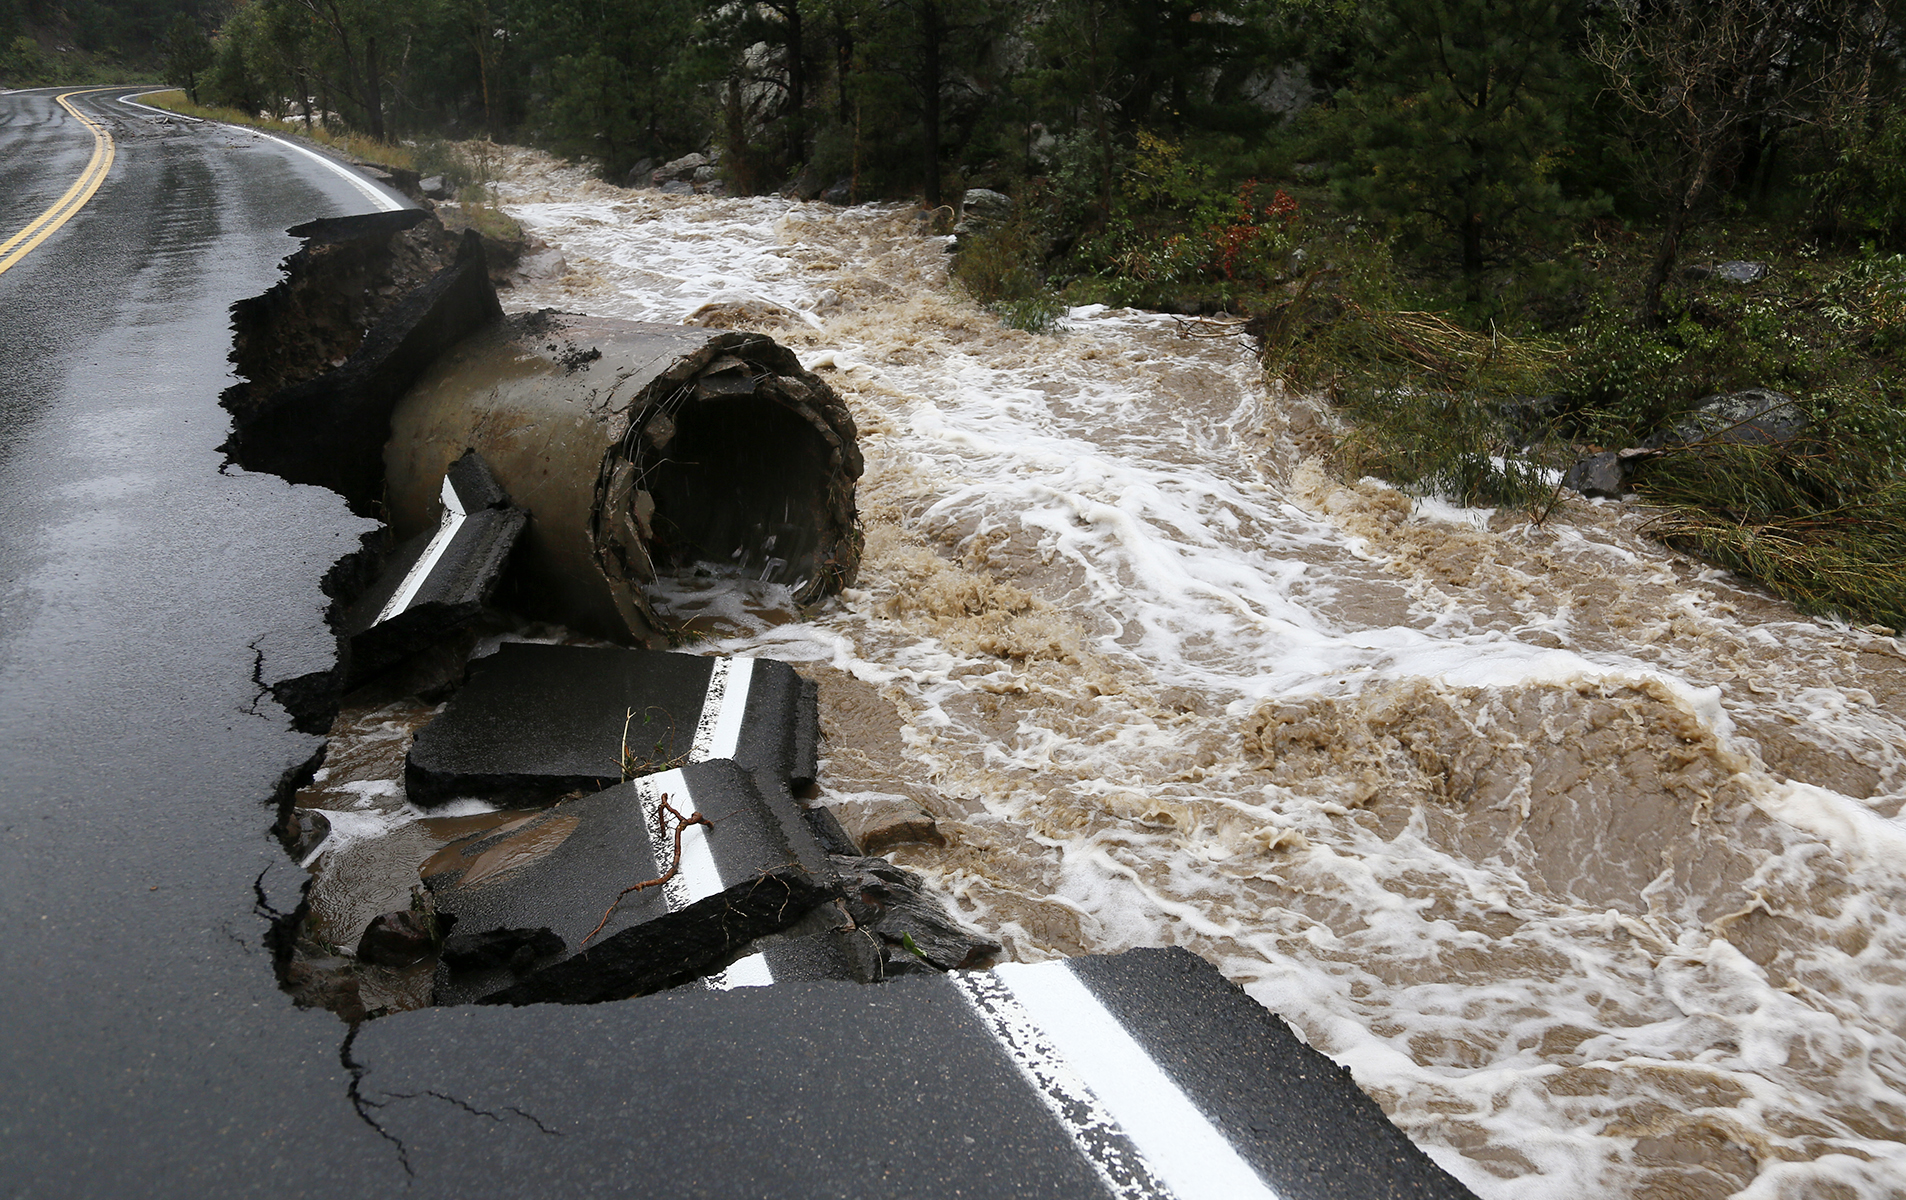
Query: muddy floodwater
column 1587, row 861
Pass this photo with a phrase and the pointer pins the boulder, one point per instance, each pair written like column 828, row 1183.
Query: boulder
column 1742, row 272
column 641, row 174
column 1752, row 416
column 1733, row 271
column 984, row 204
column 1598, row 475
column 841, row 193
column 518, row 950
column 681, row 168
column 302, row 830
column 540, row 261
column 894, row 905
column 876, row 821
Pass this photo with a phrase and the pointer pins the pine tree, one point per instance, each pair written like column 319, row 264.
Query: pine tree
column 1455, row 123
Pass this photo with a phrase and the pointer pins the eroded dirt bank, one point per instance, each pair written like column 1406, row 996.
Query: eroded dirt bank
column 1585, row 860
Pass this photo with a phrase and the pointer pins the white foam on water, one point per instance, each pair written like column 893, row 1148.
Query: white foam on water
column 1583, row 859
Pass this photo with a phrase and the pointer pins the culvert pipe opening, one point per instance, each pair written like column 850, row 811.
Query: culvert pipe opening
column 658, row 463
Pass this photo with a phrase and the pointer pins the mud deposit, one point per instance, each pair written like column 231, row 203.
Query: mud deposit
column 1588, row 862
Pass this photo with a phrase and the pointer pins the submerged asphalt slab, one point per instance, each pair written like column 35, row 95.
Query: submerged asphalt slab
column 536, row 721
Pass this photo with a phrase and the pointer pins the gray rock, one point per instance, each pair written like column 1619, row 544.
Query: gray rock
column 680, row 168
column 517, row 949
column 639, row 174
column 841, row 193
column 678, row 187
column 398, row 939
column 434, row 187
column 805, row 186
column 876, row 822
column 1743, row 272
column 303, row 830
column 1597, row 475
column 985, row 205
column 705, row 175
column 1752, row 416
column 542, row 262
column 1530, row 417
column 894, row 905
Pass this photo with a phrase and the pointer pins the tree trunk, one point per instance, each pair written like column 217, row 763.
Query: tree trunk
column 1663, row 265
column 932, row 29
column 482, row 40
column 1472, row 254
column 373, row 90
column 1100, row 102
column 843, row 66
column 1669, row 247
column 795, row 113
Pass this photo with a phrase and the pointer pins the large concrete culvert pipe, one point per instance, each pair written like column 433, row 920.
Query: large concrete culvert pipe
column 639, row 450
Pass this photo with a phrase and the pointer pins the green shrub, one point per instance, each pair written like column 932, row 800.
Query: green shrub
column 1002, row 266
column 460, row 171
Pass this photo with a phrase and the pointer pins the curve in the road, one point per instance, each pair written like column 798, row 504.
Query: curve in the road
column 41, row 227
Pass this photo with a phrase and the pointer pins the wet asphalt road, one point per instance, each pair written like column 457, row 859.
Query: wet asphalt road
column 146, row 1043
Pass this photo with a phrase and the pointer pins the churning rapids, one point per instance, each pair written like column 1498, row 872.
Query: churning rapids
column 1587, row 862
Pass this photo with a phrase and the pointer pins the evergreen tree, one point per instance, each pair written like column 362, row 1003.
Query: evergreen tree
column 1454, row 121
column 188, row 54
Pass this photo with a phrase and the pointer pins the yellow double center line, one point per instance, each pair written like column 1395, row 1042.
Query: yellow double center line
column 22, row 243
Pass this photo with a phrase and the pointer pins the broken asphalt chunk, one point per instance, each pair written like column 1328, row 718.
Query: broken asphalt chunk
column 536, row 721
column 626, row 911
column 893, row 904
column 366, row 306
column 439, row 582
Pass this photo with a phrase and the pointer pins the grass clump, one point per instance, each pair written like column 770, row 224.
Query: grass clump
column 1820, row 520
column 1436, row 408
column 345, row 141
column 1481, row 417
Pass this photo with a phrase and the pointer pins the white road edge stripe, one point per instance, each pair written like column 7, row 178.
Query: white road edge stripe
column 752, row 971
column 1112, row 1154
column 384, row 201
column 697, row 878
column 452, row 521
column 1193, row 1158
column 134, row 101
column 718, row 731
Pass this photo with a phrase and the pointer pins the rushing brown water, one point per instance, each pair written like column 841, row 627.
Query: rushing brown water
column 1587, row 861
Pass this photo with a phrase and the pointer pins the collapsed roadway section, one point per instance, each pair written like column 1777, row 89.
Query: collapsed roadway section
column 650, row 914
